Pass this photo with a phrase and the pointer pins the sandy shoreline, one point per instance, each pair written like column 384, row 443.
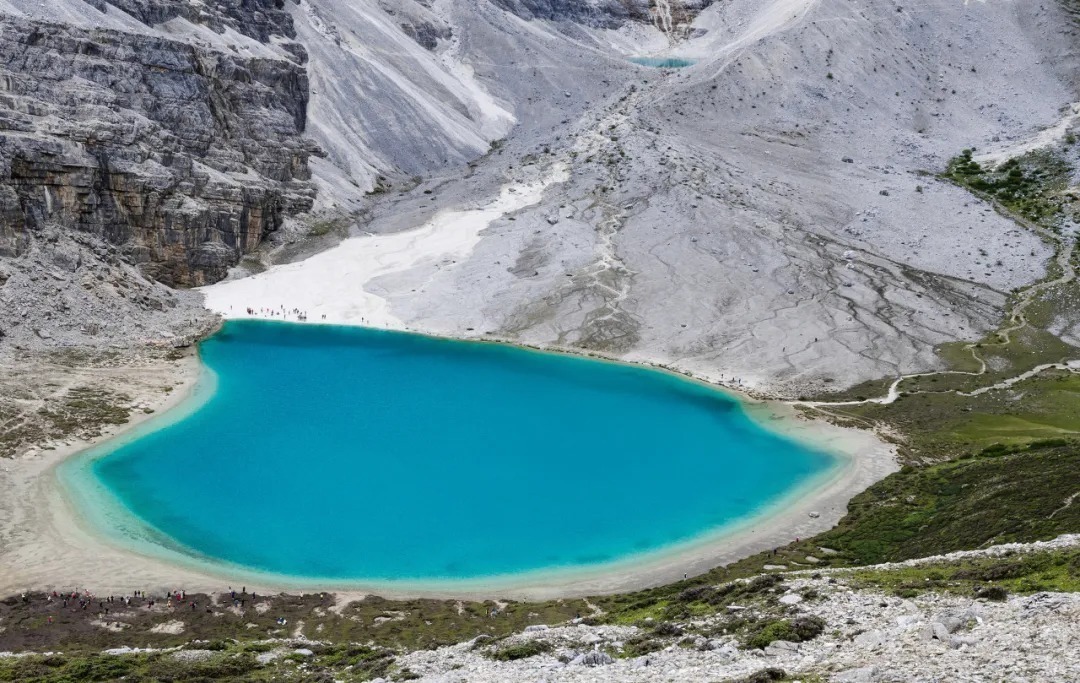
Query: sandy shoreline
column 45, row 544
column 48, row 546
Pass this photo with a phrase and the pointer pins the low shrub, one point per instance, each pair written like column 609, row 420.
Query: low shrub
column 667, row 630
column 994, row 593
column 521, row 651
column 641, row 645
column 796, row 631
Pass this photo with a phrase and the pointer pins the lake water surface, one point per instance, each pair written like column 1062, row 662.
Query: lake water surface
column 351, row 454
column 663, row 62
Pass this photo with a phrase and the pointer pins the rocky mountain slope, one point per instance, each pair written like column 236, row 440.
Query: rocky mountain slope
column 769, row 216
column 764, row 215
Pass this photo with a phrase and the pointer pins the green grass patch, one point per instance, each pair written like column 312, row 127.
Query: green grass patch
column 940, row 426
column 1020, row 573
column 1031, row 186
column 999, row 496
column 426, row 624
column 517, row 651
column 84, row 411
column 140, row 667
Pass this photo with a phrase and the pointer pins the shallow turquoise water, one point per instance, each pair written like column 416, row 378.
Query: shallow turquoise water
column 352, row 454
column 663, row 62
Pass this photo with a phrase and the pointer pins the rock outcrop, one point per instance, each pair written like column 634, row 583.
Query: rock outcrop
column 867, row 637
column 608, row 13
column 258, row 19
column 184, row 155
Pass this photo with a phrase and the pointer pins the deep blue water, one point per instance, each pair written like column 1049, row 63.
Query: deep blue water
column 663, row 62
column 348, row 453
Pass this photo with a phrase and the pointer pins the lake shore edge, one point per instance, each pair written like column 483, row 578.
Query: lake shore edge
column 90, row 558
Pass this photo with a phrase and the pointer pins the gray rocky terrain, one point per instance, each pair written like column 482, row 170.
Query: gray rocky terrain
column 872, row 638
column 768, row 214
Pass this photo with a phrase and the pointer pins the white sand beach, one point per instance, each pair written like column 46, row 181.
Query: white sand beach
column 335, row 286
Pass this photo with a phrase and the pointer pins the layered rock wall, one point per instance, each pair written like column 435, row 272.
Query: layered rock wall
column 258, row 19
column 183, row 155
column 607, row 13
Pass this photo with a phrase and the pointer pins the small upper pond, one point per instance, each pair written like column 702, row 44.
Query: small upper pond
column 348, row 453
column 663, row 62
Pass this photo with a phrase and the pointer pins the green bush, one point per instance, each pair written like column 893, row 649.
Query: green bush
column 764, row 676
column 521, row 651
column 995, row 593
column 796, row 631
column 641, row 645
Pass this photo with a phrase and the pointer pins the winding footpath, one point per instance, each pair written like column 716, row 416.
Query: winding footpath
column 1016, row 321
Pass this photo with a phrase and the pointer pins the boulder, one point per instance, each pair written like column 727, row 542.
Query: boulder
column 951, row 623
column 957, row 642
column 267, row 657
column 941, row 632
column 870, row 639
column 594, row 658
column 906, row 621
column 193, row 655
column 778, row 648
column 866, row 674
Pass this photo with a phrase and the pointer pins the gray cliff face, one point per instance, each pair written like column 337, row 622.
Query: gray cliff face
column 603, row 13
column 418, row 21
column 600, row 13
column 184, row 156
column 148, row 124
column 258, row 19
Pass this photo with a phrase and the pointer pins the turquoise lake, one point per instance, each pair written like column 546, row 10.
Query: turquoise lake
column 663, row 62
column 352, row 454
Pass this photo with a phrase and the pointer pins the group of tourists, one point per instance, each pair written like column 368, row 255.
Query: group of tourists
column 279, row 312
column 83, row 601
